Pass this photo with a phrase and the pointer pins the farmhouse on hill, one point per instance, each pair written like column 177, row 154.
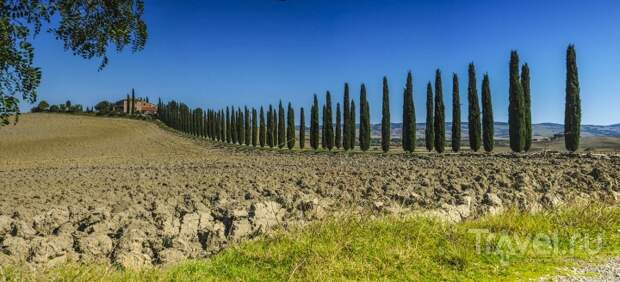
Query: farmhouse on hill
column 140, row 106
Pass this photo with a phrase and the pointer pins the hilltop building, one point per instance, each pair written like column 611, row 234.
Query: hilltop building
column 141, row 106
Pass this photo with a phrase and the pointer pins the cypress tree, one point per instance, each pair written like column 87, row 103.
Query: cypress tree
column 211, row 125
column 487, row 115
column 456, row 115
column 314, row 124
column 268, row 133
column 248, row 128
column 346, row 123
column 409, row 121
column 572, row 111
column 474, row 110
column 222, row 126
column 128, row 104
column 352, row 125
column 207, row 124
column 525, row 84
column 429, row 133
column 270, row 126
column 218, row 125
column 254, row 128
column 262, row 132
column 133, row 101
column 219, row 131
column 206, row 127
column 385, row 117
column 211, row 128
column 215, row 125
column 240, row 127
column 199, row 129
column 290, row 129
column 364, row 120
column 234, row 126
column 228, row 126
column 274, row 120
column 328, row 125
column 516, row 108
column 338, row 137
column 323, row 134
column 302, row 128
column 440, row 118
column 281, row 127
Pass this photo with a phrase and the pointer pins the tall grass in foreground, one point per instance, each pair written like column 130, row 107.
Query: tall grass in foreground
column 504, row 247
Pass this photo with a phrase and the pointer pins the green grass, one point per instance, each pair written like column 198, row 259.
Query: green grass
column 413, row 248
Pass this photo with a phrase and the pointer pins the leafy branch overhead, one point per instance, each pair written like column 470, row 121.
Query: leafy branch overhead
column 88, row 28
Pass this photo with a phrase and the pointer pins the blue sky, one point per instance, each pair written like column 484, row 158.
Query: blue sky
column 255, row 52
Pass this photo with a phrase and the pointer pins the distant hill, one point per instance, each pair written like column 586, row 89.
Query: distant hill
column 541, row 130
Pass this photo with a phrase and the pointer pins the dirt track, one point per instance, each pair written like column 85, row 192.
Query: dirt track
column 128, row 192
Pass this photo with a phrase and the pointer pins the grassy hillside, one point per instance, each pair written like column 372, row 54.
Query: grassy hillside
column 514, row 246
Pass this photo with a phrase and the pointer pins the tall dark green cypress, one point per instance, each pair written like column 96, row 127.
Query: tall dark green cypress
column 302, row 128
column 473, row 120
column 456, row 114
column 270, row 127
column 487, row 115
column 222, row 126
column 281, row 127
column 240, row 127
column 133, row 102
column 228, row 126
column 572, row 111
column 527, row 100
column 364, row 120
column 386, row 124
column 516, row 107
column 128, row 106
column 234, row 125
column 215, row 125
column 338, row 137
column 429, row 133
column 290, row 127
column 262, row 131
column 216, row 133
column 206, row 126
column 323, row 128
column 328, row 125
column 352, row 125
column 275, row 120
column 440, row 118
column 248, row 128
column 314, row 124
column 254, row 128
column 409, row 121
column 346, row 123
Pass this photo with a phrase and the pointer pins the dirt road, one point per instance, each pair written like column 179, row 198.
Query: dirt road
column 129, row 192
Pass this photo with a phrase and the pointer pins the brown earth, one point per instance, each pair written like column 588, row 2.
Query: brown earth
column 132, row 193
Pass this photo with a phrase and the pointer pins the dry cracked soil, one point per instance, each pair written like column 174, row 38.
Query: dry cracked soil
column 77, row 188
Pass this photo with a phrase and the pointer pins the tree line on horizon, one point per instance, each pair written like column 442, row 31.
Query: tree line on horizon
column 275, row 126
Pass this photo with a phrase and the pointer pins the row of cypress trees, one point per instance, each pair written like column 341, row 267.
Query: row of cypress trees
column 277, row 129
column 244, row 126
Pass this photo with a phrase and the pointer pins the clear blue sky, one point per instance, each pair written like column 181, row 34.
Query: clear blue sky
column 255, row 52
